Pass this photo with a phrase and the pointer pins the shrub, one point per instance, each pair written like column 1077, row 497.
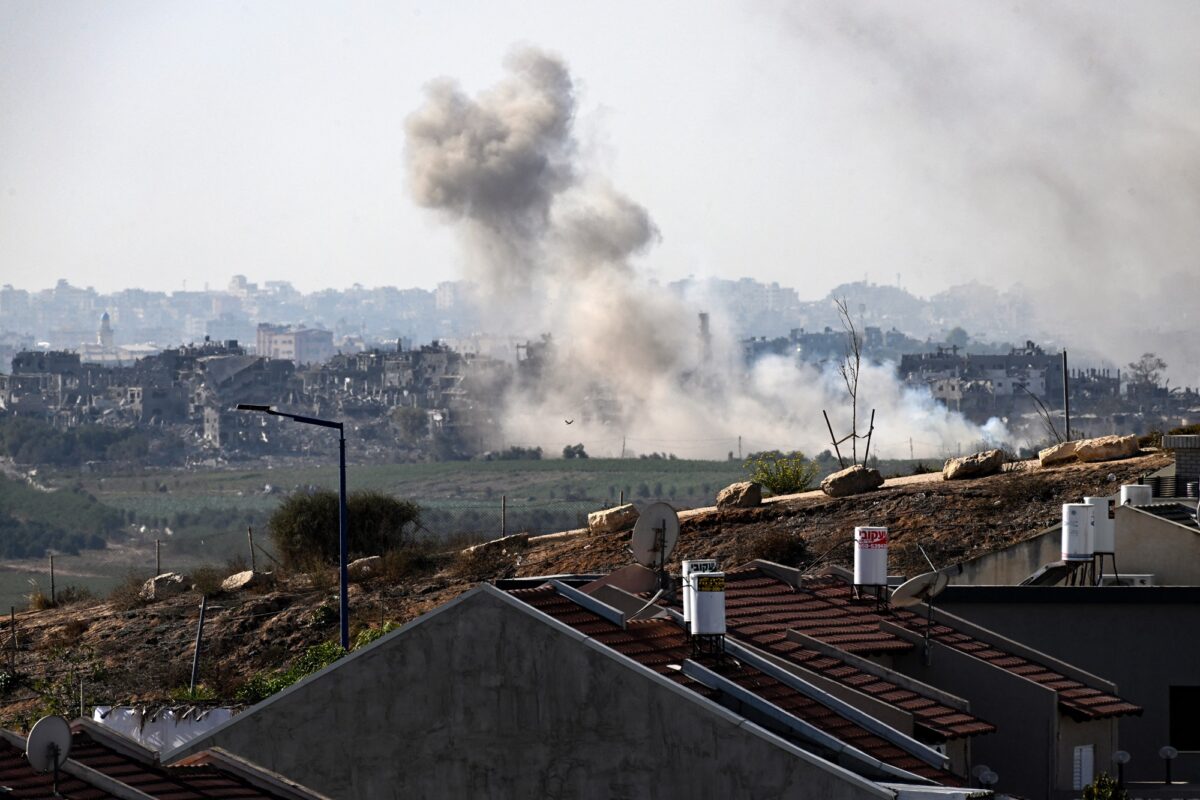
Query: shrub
column 262, row 685
column 126, row 595
column 207, row 579
column 782, row 473
column 921, row 468
column 780, row 546
column 305, row 526
column 69, row 595
column 368, row 635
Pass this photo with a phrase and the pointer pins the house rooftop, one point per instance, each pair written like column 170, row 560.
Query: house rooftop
column 662, row 646
column 762, row 608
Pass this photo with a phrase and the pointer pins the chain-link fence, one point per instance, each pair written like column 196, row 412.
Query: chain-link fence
column 505, row 515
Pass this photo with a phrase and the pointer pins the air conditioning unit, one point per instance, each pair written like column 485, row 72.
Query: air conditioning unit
column 1127, row 580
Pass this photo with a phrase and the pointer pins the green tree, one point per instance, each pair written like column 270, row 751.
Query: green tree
column 782, row 473
column 305, row 526
column 1147, row 370
column 1104, row 788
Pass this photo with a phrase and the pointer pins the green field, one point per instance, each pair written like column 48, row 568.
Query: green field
column 201, row 515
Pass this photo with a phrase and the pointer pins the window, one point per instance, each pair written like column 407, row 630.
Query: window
column 1085, row 763
column 1185, row 717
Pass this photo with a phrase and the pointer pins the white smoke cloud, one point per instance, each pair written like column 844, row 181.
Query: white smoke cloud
column 551, row 244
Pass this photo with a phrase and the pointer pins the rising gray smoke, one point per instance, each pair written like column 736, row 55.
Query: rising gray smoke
column 1047, row 143
column 550, row 244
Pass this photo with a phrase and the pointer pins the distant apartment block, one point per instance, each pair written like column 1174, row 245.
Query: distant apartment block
column 297, row 344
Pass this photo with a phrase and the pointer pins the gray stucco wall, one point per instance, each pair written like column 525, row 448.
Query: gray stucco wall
column 1143, row 639
column 1146, row 545
column 1023, row 749
column 485, row 699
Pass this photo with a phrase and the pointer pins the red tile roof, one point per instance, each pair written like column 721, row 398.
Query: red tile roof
column 24, row 783
column 145, row 774
column 761, row 608
column 659, row 644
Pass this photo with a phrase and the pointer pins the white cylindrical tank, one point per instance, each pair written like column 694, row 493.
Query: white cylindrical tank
column 870, row 556
column 708, row 604
column 1137, row 494
column 1076, row 532
column 691, row 568
column 1104, row 526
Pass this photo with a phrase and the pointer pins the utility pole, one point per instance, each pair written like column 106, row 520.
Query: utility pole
column 250, row 538
column 910, row 449
column 1066, row 395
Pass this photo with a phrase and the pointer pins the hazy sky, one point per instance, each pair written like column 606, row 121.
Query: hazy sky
column 152, row 143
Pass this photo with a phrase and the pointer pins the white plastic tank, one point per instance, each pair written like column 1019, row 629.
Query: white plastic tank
column 1104, row 526
column 1077, row 532
column 1137, row 494
column 708, row 604
column 870, row 556
column 692, row 567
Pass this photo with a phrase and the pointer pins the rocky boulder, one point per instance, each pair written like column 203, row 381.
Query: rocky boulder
column 163, row 586
column 978, row 465
column 242, row 581
column 361, row 568
column 852, row 480
column 514, row 541
column 1061, row 453
column 1102, row 448
column 745, row 494
column 613, row 519
column 1107, row 448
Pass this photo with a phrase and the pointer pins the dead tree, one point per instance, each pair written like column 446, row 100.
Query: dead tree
column 849, row 368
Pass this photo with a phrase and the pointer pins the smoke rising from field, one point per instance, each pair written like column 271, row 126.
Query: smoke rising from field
column 551, row 245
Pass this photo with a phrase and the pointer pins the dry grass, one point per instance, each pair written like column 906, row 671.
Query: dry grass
column 126, row 595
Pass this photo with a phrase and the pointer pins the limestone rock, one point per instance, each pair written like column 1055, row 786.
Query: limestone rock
column 1107, row 448
column 745, row 494
column 162, row 586
column 1060, row 453
column 241, row 581
column 514, row 541
column 613, row 519
column 364, row 567
column 852, row 480
column 988, row 462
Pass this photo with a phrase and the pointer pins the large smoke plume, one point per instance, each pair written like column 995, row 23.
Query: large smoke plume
column 550, row 244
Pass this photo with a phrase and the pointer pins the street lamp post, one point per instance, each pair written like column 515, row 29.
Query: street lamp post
column 343, row 600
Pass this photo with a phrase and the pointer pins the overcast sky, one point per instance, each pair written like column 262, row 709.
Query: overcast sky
column 156, row 143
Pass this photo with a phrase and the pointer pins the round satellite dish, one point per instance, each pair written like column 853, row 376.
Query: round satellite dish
column 49, row 744
column 980, row 769
column 989, row 778
column 1167, row 752
column 655, row 535
column 1121, row 757
column 919, row 590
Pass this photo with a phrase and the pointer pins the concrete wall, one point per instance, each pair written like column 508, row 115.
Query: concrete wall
column 1141, row 638
column 1150, row 545
column 1146, row 545
column 487, row 698
column 1023, row 750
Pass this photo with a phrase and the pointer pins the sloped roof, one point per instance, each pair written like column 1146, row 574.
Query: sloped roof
column 662, row 646
column 126, row 761
column 24, row 783
column 1179, row 513
column 762, row 608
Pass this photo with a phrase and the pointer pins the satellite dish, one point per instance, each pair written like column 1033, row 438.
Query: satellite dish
column 980, row 769
column 1167, row 752
column 49, row 744
column 655, row 535
column 1121, row 757
column 920, row 589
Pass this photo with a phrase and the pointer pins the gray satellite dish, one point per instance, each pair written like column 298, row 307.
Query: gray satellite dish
column 920, row 589
column 655, row 535
column 49, row 744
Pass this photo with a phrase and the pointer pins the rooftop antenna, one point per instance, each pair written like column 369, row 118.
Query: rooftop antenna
column 48, row 746
column 654, row 536
column 922, row 589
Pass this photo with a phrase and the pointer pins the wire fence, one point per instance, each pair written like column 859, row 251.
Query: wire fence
column 504, row 515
